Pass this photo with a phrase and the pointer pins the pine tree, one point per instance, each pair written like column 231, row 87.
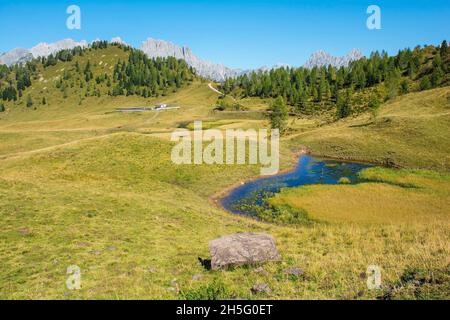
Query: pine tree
column 343, row 104
column 438, row 73
column 374, row 104
column 444, row 50
column 87, row 72
column 29, row 101
column 392, row 83
column 2, row 107
column 279, row 114
column 404, row 86
column 425, row 83
column 9, row 93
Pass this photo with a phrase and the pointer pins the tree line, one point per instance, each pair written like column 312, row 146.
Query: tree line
column 147, row 77
column 327, row 88
column 138, row 75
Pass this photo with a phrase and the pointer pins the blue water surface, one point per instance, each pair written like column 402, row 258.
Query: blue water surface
column 310, row 170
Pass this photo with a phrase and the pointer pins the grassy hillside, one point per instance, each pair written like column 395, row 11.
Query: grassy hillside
column 348, row 90
column 133, row 222
column 411, row 131
column 84, row 185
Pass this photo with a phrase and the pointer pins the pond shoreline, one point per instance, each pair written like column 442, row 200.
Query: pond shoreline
column 217, row 198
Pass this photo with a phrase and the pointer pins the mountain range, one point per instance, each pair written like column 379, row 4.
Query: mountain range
column 160, row 48
column 322, row 58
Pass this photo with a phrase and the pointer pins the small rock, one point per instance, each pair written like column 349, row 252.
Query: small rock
column 197, row 277
column 261, row 288
column 24, row 231
column 152, row 269
column 175, row 286
column 95, row 252
column 261, row 270
column 294, row 272
column 83, row 244
column 111, row 248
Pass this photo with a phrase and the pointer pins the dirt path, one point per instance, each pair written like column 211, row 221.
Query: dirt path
column 214, row 89
column 217, row 91
column 54, row 147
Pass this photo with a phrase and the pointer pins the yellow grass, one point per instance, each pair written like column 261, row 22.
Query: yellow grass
column 421, row 200
column 82, row 184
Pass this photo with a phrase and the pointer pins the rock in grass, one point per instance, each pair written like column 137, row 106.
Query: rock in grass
column 197, row 277
column 261, row 288
column 242, row 249
column 24, row 231
column 260, row 270
column 296, row 272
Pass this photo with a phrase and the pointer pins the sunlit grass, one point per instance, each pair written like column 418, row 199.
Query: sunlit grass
column 82, row 184
column 405, row 197
column 410, row 131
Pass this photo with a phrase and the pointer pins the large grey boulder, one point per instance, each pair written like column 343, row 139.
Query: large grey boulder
column 242, row 249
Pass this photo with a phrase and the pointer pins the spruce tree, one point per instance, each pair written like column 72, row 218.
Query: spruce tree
column 279, row 114
column 343, row 104
column 443, row 50
column 29, row 101
column 392, row 83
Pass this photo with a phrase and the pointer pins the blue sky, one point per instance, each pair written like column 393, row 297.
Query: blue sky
column 244, row 34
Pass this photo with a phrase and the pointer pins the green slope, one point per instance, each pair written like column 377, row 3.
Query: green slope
column 84, row 185
column 411, row 131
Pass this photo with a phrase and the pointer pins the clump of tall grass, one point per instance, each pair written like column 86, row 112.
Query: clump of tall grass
column 214, row 290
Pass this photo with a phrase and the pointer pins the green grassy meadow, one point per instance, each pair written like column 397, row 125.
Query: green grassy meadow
column 84, row 185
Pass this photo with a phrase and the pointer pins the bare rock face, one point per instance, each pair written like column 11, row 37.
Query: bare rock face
column 322, row 58
column 14, row 56
column 160, row 48
column 21, row 55
column 242, row 249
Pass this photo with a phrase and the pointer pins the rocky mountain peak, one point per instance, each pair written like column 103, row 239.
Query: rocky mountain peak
column 321, row 58
column 160, row 48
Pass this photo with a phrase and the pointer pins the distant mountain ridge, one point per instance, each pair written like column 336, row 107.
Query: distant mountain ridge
column 21, row 55
column 321, row 58
column 160, row 48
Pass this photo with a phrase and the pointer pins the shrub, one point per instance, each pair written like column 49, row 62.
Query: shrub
column 284, row 214
column 215, row 290
column 29, row 101
column 344, row 180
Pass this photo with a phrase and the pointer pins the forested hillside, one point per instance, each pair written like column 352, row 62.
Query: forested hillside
column 73, row 75
column 363, row 85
